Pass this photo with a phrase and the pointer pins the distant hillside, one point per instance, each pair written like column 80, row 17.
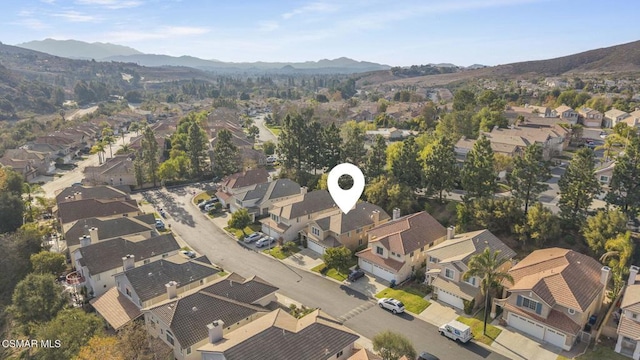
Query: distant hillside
column 74, row 49
column 619, row 58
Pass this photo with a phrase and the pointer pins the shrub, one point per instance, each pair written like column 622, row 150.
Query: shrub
column 468, row 306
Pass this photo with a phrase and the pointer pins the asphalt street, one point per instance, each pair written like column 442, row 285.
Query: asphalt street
column 309, row 289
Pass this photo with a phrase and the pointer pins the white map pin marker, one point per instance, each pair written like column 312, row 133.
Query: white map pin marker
column 345, row 199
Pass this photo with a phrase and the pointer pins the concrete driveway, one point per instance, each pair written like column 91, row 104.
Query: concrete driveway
column 518, row 346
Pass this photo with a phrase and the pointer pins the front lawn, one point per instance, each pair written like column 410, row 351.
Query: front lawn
column 239, row 234
column 413, row 302
column 201, row 197
column 281, row 253
column 601, row 352
column 476, row 329
column 275, row 129
column 332, row 273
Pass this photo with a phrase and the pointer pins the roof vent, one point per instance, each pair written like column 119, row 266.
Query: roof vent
column 194, row 309
column 150, row 274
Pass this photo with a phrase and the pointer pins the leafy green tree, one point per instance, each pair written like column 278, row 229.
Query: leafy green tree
column 489, row 267
column 226, row 156
column 74, row 328
column 624, row 189
column 98, row 148
column 392, row 346
column 314, row 146
column 168, row 170
column 240, row 219
column 619, row 251
column 573, row 98
column 100, row 347
column 338, row 258
column 387, row 193
column 604, row 225
column 138, row 170
column 11, row 212
column 47, row 262
column 527, row 179
column 353, row 150
column 292, row 143
column 134, row 343
column 37, row 299
column 578, row 187
column 487, row 119
column 478, row 176
column 196, row 149
column 269, row 147
column 540, row 226
column 464, row 100
column 376, row 159
column 440, row 168
column 497, row 215
column 457, row 124
column 150, row 154
column 332, row 146
column 253, row 132
column 17, row 248
column 406, row 168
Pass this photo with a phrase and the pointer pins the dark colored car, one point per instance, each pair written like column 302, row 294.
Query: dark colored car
column 355, row 275
column 427, row 356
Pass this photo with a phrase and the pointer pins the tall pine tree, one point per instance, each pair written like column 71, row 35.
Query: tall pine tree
column 578, row 186
column 527, row 179
column 332, row 146
column 353, row 150
column 226, row 157
column 292, row 143
column 478, row 176
column 196, row 149
column 440, row 168
column 406, row 167
column 376, row 159
column 624, row 189
column 150, row 154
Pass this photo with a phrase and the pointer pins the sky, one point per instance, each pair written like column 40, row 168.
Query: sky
column 396, row 33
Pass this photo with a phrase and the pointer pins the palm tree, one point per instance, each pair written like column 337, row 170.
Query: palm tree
column 489, row 267
column 135, row 126
column 98, row 148
column 619, row 251
column 29, row 190
column 109, row 140
column 610, row 142
column 124, row 149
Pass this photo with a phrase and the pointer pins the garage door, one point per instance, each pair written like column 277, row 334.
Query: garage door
column 365, row 265
column 526, row 326
column 315, row 247
column 450, row 299
column 554, row 338
column 376, row 270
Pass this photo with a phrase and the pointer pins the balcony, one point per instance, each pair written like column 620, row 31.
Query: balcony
column 75, row 278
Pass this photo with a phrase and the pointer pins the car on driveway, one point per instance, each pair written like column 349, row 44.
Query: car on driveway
column 355, row 275
column 393, row 305
column 203, row 204
column 159, row 224
column 265, row 241
column 252, row 237
column 188, row 253
column 210, row 207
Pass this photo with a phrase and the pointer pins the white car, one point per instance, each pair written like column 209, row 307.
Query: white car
column 252, row 237
column 393, row 305
column 210, row 207
column 265, row 241
column 188, row 253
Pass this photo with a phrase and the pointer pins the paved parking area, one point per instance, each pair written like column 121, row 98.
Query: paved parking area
column 519, row 346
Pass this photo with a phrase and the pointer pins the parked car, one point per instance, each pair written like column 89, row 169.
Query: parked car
column 188, row 253
column 456, row 330
column 252, row 237
column 265, row 241
column 163, row 214
column 203, row 204
column 271, row 160
column 210, row 207
column 355, row 275
column 427, row 356
column 393, row 305
column 159, row 224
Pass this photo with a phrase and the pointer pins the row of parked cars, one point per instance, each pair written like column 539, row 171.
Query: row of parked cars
column 209, row 204
column 260, row 239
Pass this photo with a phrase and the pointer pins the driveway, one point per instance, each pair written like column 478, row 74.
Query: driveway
column 519, row 346
column 265, row 134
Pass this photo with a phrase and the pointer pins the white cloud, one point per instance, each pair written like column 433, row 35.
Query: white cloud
column 75, row 16
column 316, row 7
column 268, row 25
column 164, row 32
column 48, row 1
column 111, row 4
column 31, row 23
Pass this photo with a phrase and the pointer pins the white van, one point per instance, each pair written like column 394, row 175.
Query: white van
column 456, row 330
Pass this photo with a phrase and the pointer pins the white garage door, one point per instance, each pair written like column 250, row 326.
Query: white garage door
column 376, row 270
column 526, row 326
column 365, row 265
column 450, row 299
column 316, row 247
column 554, row 338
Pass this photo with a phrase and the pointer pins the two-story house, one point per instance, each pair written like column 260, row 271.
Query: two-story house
column 79, row 192
column 181, row 320
column 22, row 167
column 240, row 180
column 98, row 263
column 448, row 261
column 279, row 335
column 288, row 217
column 117, row 170
column 567, row 114
column 633, row 120
column 613, row 117
column 628, row 342
column 71, row 211
column 553, row 139
column 42, row 163
column 590, row 117
column 335, row 229
column 258, row 198
column 398, row 247
column 554, row 292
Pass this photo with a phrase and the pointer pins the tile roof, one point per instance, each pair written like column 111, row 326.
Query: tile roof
column 388, row 263
column 614, row 113
column 283, row 337
column 556, row 319
column 562, row 108
column 107, row 255
column 363, row 354
column 246, row 178
column 189, row 315
column 110, row 228
column 629, row 328
column 115, row 308
column 149, row 280
column 87, row 208
column 269, row 190
column 360, row 216
column 240, row 289
column 631, row 298
column 92, row 192
column 408, row 233
column 559, row 276
column 304, row 204
column 463, row 246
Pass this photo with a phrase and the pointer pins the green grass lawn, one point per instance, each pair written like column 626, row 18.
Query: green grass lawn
column 412, row 302
column 238, row 233
column 275, row 129
column 415, row 289
column 601, row 352
column 202, row 196
column 332, row 273
column 279, row 253
column 476, row 329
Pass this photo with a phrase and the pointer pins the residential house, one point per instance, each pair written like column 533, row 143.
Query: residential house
column 40, row 162
column 240, row 180
column 59, row 153
column 117, row 170
column 397, row 248
column 541, row 111
column 79, row 192
column 365, row 354
column 604, row 172
column 335, row 229
column 448, row 261
column 390, row 134
column 231, row 302
column 553, row 139
column 590, row 117
column 71, row 211
column 567, row 114
column 98, row 263
column 288, row 217
column 628, row 342
column 258, row 198
column 512, row 149
column 22, row 167
column 633, row 120
column 281, row 336
column 554, row 292
column 613, row 117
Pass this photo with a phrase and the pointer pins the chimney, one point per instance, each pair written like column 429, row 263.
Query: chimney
column 85, row 240
column 375, row 217
column 128, row 262
column 93, row 234
column 77, row 195
column 633, row 272
column 172, row 289
column 396, row 213
column 451, row 232
column 303, row 190
column 215, row 331
column 605, row 273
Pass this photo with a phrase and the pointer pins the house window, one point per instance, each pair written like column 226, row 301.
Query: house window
column 339, row 354
column 422, row 249
column 433, row 260
column 379, row 250
column 448, row 273
column 127, row 291
column 348, row 233
column 530, row 304
column 315, row 231
column 170, row 337
column 358, row 231
column 571, row 311
column 146, row 261
column 471, row 281
column 360, row 242
column 634, row 316
column 411, row 254
column 604, row 179
column 189, row 350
